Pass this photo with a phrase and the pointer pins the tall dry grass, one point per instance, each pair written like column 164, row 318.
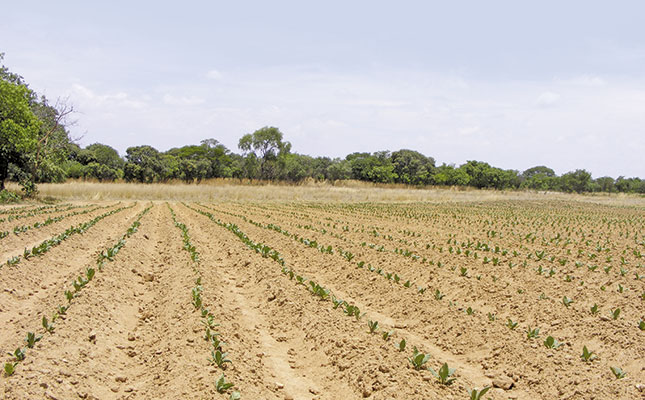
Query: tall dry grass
column 350, row 191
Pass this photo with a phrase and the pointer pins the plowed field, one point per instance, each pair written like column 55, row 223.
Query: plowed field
column 323, row 301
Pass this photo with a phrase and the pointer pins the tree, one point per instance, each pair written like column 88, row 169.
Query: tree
column 268, row 148
column 106, row 155
column 19, row 127
column 577, row 181
column 144, row 164
column 412, row 167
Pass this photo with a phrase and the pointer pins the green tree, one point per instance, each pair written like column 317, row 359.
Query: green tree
column 268, row 148
column 19, row 127
column 577, row 181
column 412, row 167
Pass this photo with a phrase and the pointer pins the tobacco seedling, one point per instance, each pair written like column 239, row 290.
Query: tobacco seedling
column 478, row 394
column 551, row 343
column 219, row 358
column 401, row 345
column 641, row 325
column 618, row 372
column 470, row 311
column 19, row 354
column 444, row 374
column 511, row 325
column 594, row 309
column 373, row 325
column 9, row 368
column 418, row 359
column 69, row 295
column 48, row 327
column 615, row 313
column 492, row 317
column 386, row 335
column 566, row 301
column 532, row 333
column 337, row 302
column 221, row 385
column 62, row 310
column 587, row 355
column 31, row 339
column 438, row 295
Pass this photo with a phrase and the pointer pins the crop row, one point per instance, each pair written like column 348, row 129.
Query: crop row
column 18, row 229
column 48, row 244
column 531, row 332
column 418, row 359
column 78, row 284
column 462, row 271
column 218, row 357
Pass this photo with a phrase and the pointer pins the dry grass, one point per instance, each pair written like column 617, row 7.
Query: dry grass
column 224, row 191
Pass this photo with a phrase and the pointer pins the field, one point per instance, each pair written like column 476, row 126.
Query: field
column 123, row 299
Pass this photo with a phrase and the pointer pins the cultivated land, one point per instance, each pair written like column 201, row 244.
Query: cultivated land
column 143, row 298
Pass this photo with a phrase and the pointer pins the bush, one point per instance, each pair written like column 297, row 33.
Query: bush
column 7, row 197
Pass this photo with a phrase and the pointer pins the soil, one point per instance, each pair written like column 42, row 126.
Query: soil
column 132, row 331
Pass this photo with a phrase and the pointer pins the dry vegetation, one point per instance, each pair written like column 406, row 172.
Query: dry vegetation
column 371, row 293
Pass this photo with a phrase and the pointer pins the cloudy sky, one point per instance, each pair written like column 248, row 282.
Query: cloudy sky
column 556, row 83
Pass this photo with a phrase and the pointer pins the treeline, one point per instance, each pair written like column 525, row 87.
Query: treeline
column 35, row 147
column 266, row 156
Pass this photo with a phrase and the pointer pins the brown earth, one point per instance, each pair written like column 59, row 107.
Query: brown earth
column 132, row 332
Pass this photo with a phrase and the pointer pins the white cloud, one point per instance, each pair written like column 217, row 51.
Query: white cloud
column 214, row 74
column 584, row 80
column 121, row 99
column 547, row 99
column 182, row 100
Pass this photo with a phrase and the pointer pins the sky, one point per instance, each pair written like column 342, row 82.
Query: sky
column 512, row 83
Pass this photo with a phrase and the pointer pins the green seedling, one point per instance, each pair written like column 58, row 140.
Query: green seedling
column 401, row 345
column 221, row 385
column 551, row 343
column 421, row 290
column 387, row 335
column 444, row 374
column 32, row 338
column 89, row 273
column 19, row 354
column 48, row 327
column 463, row 271
column 9, row 368
column 470, row 311
column 418, row 359
column 615, row 313
column 337, row 302
column 492, row 317
column 478, row 394
column 641, row 325
column 566, row 301
column 219, row 358
column 587, row 355
column 618, row 372
column 594, row 309
column 438, row 295
column 373, row 325
column 62, row 310
column 511, row 325
column 532, row 333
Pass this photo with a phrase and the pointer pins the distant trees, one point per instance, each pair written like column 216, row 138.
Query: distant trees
column 266, row 151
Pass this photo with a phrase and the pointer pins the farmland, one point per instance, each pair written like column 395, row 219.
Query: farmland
column 323, row 300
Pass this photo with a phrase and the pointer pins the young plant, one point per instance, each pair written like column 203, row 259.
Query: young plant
column 219, row 358
column 618, row 372
column 492, row 317
column 373, row 325
column 387, row 335
column 418, row 359
column 9, row 368
column 615, row 313
column 587, row 355
column 594, row 309
column 32, row 338
column 48, row 326
column 641, row 325
column 478, row 394
column 19, row 354
column 566, row 301
column 551, row 343
column 470, row 311
column 532, row 333
column 438, row 295
column 401, row 345
column 444, row 374
column 511, row 325
column 221, row 385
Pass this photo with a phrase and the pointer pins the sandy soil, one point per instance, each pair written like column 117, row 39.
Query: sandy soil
column 132, row 332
